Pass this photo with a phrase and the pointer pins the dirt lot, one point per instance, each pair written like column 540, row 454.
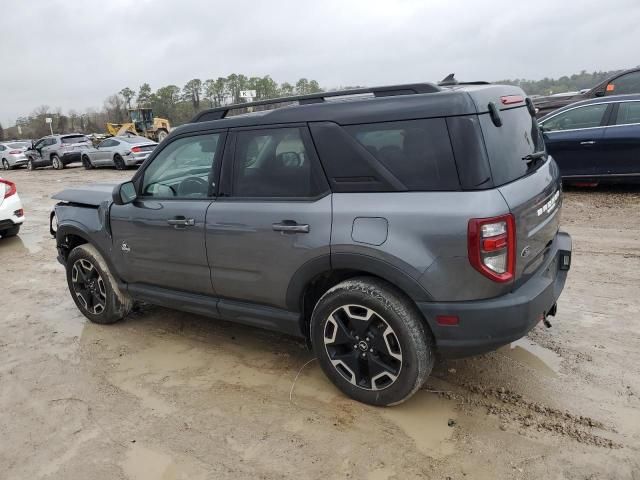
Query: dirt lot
column 167, row 395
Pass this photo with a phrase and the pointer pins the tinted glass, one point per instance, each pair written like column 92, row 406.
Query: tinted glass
column 74, row 139
column 19, row 145
column 107, row 143
column 417, row 152
column 629, row 83
column 581, row 117
column 274, row 163
column 628, row 112
column 182, row 168
column 507, row 145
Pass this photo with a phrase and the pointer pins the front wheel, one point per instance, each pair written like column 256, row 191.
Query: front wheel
column 93, row 288
column 56, row 162
column 371, row 341
column 162, row 134
column 30, row 166
column 86, row 163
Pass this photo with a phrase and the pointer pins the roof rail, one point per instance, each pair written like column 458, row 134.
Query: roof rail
column 388, row 91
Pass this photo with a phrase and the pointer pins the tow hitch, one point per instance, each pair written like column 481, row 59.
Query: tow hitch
column 551, row 313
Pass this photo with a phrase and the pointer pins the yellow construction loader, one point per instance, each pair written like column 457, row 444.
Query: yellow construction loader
column 143, row 124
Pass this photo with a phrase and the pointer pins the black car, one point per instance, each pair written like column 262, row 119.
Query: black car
column 596, row 140
column 622, row 83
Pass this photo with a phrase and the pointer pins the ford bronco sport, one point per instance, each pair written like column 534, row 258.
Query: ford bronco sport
column 384, row 225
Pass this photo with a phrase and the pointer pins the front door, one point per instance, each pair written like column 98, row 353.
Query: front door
column 574, row 139
column 159, row 239
column 273, row 215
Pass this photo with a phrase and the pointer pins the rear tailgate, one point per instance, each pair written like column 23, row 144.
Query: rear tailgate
column 532, row 188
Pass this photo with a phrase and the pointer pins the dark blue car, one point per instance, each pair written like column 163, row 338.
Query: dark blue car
column 596, row 140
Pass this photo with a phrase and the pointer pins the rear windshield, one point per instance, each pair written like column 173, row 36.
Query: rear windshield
column 508, row 145
column 74, row 139
column 416, row 152
column 19, row 145
column 135, row 140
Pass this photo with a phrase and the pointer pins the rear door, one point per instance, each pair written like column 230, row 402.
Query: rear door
column 621, row 143
column 272, row 218
column 159, row 239
column 532, row 189
column 574, row 139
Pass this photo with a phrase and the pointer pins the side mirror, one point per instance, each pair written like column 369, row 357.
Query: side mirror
column 124, row 193
column 600, row 93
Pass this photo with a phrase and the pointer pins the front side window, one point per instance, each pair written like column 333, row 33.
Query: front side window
column 183, row 168
column 417, row 152
column 274, row 163
column 582, row 117
column 625, row 84
column 628, row 112
column 107, row 143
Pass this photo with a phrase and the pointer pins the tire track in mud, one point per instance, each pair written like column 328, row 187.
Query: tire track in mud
column 513, row 408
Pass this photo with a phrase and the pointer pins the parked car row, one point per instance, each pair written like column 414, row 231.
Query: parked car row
column 58, row 151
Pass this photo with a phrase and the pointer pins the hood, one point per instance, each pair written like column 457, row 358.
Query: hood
column 94, row 194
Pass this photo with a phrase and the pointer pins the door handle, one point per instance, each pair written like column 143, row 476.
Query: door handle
column 289, row 226
column 181, row 222
column 588, row 142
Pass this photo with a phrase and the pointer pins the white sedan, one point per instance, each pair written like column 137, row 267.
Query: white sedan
column 11, row 212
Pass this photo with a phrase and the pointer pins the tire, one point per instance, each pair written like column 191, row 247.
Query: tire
column 10, row 232
column 93, row 288
column 394, row 358
column 5, row 164
column 86, row 163
column 30, row 166
column 119, row 162
column 161, row 135
column 56, row 162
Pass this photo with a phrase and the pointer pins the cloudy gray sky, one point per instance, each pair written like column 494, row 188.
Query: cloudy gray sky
column 72, row 54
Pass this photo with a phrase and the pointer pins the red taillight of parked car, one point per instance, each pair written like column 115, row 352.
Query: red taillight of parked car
column 15, row 152
column 9, row 187
column 136, row 149
column 492, row 246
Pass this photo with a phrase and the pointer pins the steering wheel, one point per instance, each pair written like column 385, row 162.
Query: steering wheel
column 193, row 185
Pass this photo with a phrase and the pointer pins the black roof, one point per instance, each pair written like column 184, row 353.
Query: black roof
column 592, row 101
column 366, row 105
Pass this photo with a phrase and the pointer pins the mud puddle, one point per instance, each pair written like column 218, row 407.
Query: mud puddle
column 528, row 353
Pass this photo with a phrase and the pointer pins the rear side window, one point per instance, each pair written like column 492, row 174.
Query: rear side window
column 508, row 145
column 628, row 113
column 74, row 139
column 274, row 163
column 416, row 152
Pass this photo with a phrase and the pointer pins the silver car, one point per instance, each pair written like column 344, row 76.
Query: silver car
column 12, row 154
column 121, row 152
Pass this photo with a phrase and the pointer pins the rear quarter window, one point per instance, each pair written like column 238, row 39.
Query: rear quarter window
column 416, row 152
column 508, row 144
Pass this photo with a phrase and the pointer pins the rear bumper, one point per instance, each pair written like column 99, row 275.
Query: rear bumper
column 134, row 160
column 485, row 325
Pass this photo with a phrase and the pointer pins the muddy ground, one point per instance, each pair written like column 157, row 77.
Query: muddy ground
column 168, row 395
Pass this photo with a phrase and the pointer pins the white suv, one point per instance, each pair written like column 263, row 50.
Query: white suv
column 11, row 212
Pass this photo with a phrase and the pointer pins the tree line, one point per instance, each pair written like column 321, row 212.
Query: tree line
column 177, row 104
column 572, row 83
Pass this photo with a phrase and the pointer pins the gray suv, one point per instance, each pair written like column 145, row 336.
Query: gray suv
column 383, row 225
column 57, row 151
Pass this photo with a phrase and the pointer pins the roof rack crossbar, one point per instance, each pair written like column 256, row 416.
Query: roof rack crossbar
column 387, row 91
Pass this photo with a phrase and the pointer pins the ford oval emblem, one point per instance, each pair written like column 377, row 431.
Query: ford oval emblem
column 525, row 251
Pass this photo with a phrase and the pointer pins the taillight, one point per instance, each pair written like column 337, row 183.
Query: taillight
column 511, row 99
column 136, row 149
column 9, row 187
column 492, row 246
column 15, row 152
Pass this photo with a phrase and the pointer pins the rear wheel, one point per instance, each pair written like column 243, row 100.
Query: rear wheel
column 10, row 232
column 119, row 162
column 56, row 162
column 371, row 341
column 86, row 163
column 93, row 288
column 5, row 164
column 30, row 165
